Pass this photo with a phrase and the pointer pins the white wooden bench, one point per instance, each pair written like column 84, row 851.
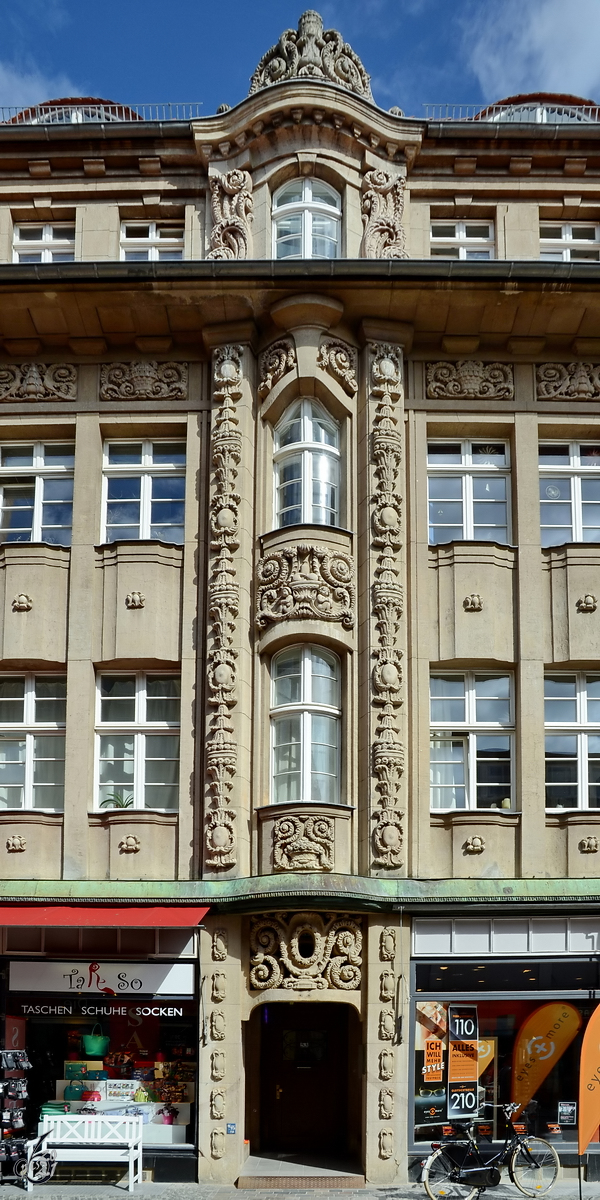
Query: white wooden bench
column 97, row 1138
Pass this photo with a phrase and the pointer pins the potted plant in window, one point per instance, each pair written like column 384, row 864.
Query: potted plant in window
column 168, row 1113
column 116, row 800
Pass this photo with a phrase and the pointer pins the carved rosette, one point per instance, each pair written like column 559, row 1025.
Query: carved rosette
column 38, row 381
column 568, row 381
column 223, row 606
column 303, row 843
column 312, row 53
column 276, row 960
column 387, row 601
column 231, row 206
column 382, row 206
column 305, row 582
column 341, row 362
column 470, row 379
column 144, row 380
column 274, row 363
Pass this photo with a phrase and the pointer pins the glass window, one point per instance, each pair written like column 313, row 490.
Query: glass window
column 32, row 741
column 467, row 240
column 569, row 492
column 144, row 491
column 579, row 242
column 34, row 243
column 471, row 741
column 572, row 718
column 151, row 241
column 36, row 492
column 469, row 491
column 306, row 220
column 138, row 741
column 305, row 726
column 307, row 466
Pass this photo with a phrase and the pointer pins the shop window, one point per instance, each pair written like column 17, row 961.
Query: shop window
column 471, row 742
column 469, row 485
column 36, row 492
column 305, row 726
column 471, row 240
column 32, row 741
column 572, row 717
column 138, row 741
column 571, row 242
column 34, row 243
column 306, row 220
column 152, row 241
column 307, row 466
column 144, row 491
column 569, row 492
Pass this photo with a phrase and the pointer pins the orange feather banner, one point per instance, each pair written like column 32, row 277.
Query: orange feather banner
column 542, row 1040
column 589, row 1082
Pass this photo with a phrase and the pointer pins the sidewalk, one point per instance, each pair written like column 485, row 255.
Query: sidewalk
column 208, row 1191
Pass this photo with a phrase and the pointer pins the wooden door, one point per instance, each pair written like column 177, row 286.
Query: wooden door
column 304, row 1077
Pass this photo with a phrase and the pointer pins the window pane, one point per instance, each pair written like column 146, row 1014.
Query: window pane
column 324, row 489
column 286, row 760
column 444, row 453
column 492, row 699
column 124, row 455
column 561, row 772
column 12, row 703
column 488, row 454
column 16, row 522
column 287, row 683
column 493, row 772
column 60, row 456
column 443, row 231
column 325, row 679
column 116, row 771
column 324, row 194
column 291, row 431
column 50, row 699
column 117, row 698
column 552, row 455
column 477, row 231
column 30, row 233
column 12, row 772
column 123, row 508
column 593, row 699
column 589, row 455
column 322, row 429
column 162, row 772
column 288, row 226
column 447, row 773
column 290, row 248
column 289, row 194
column 324, row 759
column 447, row 699
column 16, row 456
column 163, row 698
column 560, row 702
column 169, row 453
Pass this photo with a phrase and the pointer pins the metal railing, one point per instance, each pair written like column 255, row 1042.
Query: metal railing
column 98, row 111
column 519, row 113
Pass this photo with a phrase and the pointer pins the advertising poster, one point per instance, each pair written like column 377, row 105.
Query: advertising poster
column 567, row 1112
column 463, row 1060
column 431, row 1041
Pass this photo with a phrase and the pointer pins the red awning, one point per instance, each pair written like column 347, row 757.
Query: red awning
column 102, row 916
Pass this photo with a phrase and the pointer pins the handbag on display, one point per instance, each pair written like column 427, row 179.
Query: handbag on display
column 97, row 1075
column 74, row 1090
column 91, row 1096
column 75, row 1070
column 95, row 1044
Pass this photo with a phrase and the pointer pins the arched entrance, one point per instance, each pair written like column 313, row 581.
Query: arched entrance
column 304, row 1082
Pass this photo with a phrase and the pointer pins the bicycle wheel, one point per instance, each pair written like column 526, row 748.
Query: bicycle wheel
column 534, row 1166
column 438, row 1179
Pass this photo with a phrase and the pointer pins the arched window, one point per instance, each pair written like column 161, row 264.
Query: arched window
column 307, row 466
column 306, row 220
column 305, row 726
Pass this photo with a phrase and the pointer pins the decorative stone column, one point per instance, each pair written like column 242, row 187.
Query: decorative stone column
column 220, row 1066
column 385, row 1063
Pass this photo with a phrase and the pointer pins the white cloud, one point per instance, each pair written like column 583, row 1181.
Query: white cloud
column 22, row 87
column 534, row 45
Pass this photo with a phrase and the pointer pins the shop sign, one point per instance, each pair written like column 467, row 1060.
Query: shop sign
column 463, row 1060
column 109, row 978
column 541, row 1041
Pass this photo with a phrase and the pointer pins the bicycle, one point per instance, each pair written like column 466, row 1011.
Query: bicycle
column 456, row 1171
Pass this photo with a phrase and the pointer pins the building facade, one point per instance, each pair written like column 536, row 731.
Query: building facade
column 299, row 635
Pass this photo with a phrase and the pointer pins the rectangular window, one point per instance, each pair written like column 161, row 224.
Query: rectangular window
column 32, row 741
column 44, row 243
column 138, row 741
column 468, row 491
column 144, row 491
column 578, row 242
column 151, row 241
column 470, row 240
column 36, row 492
column 572, row 717
column 471, row 741
column 569, row 492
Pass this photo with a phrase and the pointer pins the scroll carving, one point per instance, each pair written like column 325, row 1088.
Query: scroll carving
column 217, row 1105
column 386, row 1064
column 135, row 600
column 144, row 381
column 314, row 53
column 305, row 581
column 475, row 844
column 473, row 603
column 223, row 606
column 219, row 986
column 277, row 962
column 218, row 1064
column 22, row 603
column 341, row 362
column 386, row 1104
column 274, row 363
column 587, row 603
column 218, row 1025
column 38, row 381
column 382, row 204
column 16, row 843
column 217, row 1143
column 130, row 844
column 568, row 381
column 470, row 378
column 589, row 845
column 386, row 1143
column 387, row 1025
column 231, row 204
column 219, row 945
column 303, row 843
column 387, row 986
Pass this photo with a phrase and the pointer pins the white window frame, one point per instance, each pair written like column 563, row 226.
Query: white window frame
column 305, row 709
column 147, row 470
column 47, row 245
column 575, row 471
column 469, row 468
column 306, row 207
column 140, row 728
column 37, row 471
column 306, row 450
column 462, row 242
column 152, row 243
column 561, row 249
column 468, row 730
column 29, row 729
column 582, row 729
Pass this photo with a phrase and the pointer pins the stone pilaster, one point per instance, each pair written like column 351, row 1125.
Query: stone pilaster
column 385, row 1141
column 220, row 1068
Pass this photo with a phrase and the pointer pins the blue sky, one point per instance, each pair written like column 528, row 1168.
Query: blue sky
column 459, row 51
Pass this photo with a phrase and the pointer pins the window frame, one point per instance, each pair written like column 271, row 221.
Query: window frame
column 305, row 709
column 27, row 731
column 44, row 246
column 575, row 471
column 153, row 243
column 306, row 450
column 307, row 207
column 461, row 242
column 581, row 729
column 560, row 249
column 38, row 472
column 146, row 471
column 140, row 728
column 467, row 731
column 468, row 470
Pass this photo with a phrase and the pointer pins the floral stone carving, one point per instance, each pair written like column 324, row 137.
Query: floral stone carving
column 312, row 53
column 38, row 381
column 218, row 986
column 274, row 363
column 587, row 603
column 387, row 986
column 475, row 844
column 387, row 1025
column 568, row 381
column 382, row 206
column 217, row 1105
column 218, row 1025
column 473, row 603
column 305, row 581
column 144, row 381
column 135, row 600
column 16, row 843
column 22, row 603
column 277, row 961
column 589, row 845
column 386, row 1104
column 341, row 362
column 218, row 1064
column 130, row 844
column 387, row 944
column 219, row 945
column 386, row 1064
column 231, row 205
column 470, row 378
column 303, row 843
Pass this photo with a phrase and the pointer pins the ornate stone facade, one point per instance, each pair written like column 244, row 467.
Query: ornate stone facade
column 470, row 379
column 38, row 381
column 305, row 582
column 567, row 381
column 341, row 362
column 312, row 53
column 274, row 363
column 278, row 961
column 144, row 380
column 303, row 843
column 231, row 205
column 382, row 205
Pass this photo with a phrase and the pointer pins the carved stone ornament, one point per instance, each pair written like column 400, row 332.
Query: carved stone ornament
column 130, row 844
column 278, row 962
column 135, row 600
column 219, row 945
column 144, row 380
column 218, row 1064
column 587, row 603
column 303, row 843
column 16, row 843
column 223, row 606
column 218, row 986
column 470, row 378
column 386, row 1104
column 341, row 362
column 387, row 1025
column 473, row 603
column 387, row 944
column 38, row 381
column 568, row 381
column 382, row 206
column 387, row 986
column 217, row 1105
column 386, row 1143
column 386, row 1064
column 589, row 845
column 218, row 1025
column 231, row 206
column 274, row 363
column 217, row 1143
column 305, row 581
column 475, row 844
column 315, row 54
column 22, row 603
